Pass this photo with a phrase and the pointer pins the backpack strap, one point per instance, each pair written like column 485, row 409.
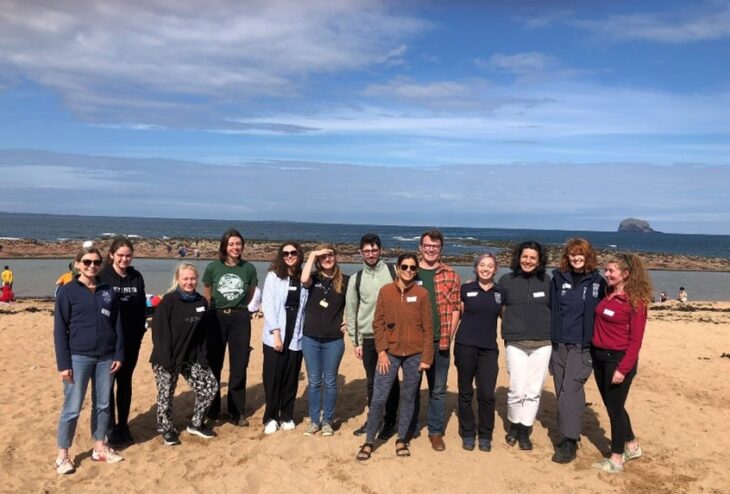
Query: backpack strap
column 358, row 282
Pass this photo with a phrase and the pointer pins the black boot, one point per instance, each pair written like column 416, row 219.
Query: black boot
column 512, row 433
column 523, row 437
column 566, row 451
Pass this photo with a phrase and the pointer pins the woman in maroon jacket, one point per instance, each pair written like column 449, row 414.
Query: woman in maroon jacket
column 617, row 335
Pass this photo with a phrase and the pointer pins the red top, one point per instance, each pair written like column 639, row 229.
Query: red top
column 618, row 326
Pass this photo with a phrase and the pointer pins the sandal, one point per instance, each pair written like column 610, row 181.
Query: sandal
column 366, row 450
column 401, row 448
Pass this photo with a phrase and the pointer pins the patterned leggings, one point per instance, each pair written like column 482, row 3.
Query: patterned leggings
column 200, row 378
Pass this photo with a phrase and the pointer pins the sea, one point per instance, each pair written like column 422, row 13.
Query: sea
column 36, row 278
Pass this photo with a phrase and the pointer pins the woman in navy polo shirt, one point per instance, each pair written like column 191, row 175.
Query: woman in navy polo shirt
column 476, row 352
column 617, row 336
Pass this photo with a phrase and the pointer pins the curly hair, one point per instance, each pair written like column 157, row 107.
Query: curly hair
column 637, row 286
column 541, row 256
column 338, row 282
column 279, row 267
column 578, row 246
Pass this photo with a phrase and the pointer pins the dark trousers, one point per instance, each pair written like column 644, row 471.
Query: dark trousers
column 234, row 330
column 281, row 377
column 571, row 367
column 370, row 362
column 478, row 364
column 120, row 404
column 614, row 395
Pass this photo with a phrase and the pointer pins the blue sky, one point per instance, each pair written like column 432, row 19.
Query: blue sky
column 556, row 114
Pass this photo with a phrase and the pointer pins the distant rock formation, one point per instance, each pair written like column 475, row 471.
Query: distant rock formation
column 634, row 225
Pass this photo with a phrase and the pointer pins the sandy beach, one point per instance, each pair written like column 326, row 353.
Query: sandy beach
column 678, row 403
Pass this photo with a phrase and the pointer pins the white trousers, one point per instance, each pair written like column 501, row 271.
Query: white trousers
column 527, row 370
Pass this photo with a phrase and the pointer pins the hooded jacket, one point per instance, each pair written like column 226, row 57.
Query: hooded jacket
column 130, row 292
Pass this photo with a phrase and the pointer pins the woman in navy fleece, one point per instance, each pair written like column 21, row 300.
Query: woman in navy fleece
column 89, row 344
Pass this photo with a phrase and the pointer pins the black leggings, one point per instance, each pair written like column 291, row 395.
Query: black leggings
column 120, row 404
column 614, row 395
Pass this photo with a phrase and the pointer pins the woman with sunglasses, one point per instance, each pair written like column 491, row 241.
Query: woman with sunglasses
column 89, row 344
column 403, row 330
column 576, row 289
column 617, row 335
column 476, row 353
column 229, row 284
column 323, row 344
column 283, row 301
column 526, row 334
column 128, row 285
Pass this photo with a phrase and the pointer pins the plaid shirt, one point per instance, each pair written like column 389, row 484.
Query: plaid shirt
column 448, row 299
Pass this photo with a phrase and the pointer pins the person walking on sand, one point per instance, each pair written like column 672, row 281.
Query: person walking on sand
column 362, row 295
column 229, row 284
column 322, row 341
column 179, row 337
column 575, row 291
column 7, row 277
column 89, row 344
column 617, row 336
column 403, row 328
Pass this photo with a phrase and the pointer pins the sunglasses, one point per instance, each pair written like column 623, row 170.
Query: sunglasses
column 327, row 256
column 89, row 262
column 289, row 253
column 409, row 267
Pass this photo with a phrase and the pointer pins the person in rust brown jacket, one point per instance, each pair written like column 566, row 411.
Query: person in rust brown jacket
column 403, row 330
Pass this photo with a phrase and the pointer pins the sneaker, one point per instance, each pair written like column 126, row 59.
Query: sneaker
column 485, row 444
column 64, row 466
column 608, row 466
column 127, row 435
column 271, row 427
column 170, row 438
column 468, row 443
column 288, row 425
column 203, row 431
column 114, row 436
column 107, row 455
column 566, row 452
column 240, row 421
column 312, row 429
column 327, row 430
column 361, row 431
column 387, row 432
column 632, row 454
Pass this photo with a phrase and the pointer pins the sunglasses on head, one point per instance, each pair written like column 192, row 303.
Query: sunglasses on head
column 408, row 267
column 89, row 262
column 289, row 253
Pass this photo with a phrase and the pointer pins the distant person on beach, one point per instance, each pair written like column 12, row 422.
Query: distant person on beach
column 576, row 289
column 230, row 283
column 617, row 337
column 322, row 341
column 682, row 295
column 362, row 295
column 66, row 277
column 128, row 285
column 7, row 295
column 526, row 334
column 179, row 337
column 403, row 327
column 283, row 301
column 476, row 353
column 443, row 285
column 7, row 277
column 663, row 297
column 89, row 344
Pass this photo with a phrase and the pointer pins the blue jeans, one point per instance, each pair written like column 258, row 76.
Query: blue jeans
column 322, row 357
column 98, row 370
column 436, row 375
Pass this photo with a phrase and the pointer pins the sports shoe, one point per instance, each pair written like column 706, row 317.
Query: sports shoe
column 608, row 466
column 203, row 431
column 485, row 444
column 64, row 466
column 311, row 429
column 360, row 431
column 387, row 432
column 170, row 438
column 107, row 455
column 271, row 427
column 566, row 452
column 327, row 430
column 288, row 425
column 240, row 421
column 468, row 443
column 127, row 435
column 632, row 454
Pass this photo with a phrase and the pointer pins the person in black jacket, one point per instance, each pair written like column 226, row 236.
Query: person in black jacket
column 575, row 291
column 128, row 286
column 179, row 337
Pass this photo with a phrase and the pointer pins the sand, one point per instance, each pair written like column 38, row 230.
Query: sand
column 679, row 406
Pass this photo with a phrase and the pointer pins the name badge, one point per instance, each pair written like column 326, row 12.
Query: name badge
column 608, row 312
column 200, row 309
column 292, row 288
column 106, row 312
column 538, row 294
column 566, row 286
column 324, row 303
column 412, row 299
column 472, row 294
column 419, row 282
column 497, row 298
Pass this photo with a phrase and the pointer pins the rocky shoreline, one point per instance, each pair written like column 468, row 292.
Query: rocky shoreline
column 265, row 251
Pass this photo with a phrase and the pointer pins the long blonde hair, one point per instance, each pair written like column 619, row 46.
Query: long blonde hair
column 637, row 286
column 178, row 270
column 337, row 278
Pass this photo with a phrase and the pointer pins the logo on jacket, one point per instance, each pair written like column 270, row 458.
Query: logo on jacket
column 107, row 296
column 230, row 286
column 498, row 298
column 596, row 286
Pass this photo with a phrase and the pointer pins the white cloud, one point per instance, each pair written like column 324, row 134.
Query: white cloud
column 518, row 63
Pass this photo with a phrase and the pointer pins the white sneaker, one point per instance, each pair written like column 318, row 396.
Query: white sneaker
column 64, row 466
column 288, row 425
column 107, row 455
column 271, row 427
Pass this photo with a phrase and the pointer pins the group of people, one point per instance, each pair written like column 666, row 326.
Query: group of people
column 406, row 316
